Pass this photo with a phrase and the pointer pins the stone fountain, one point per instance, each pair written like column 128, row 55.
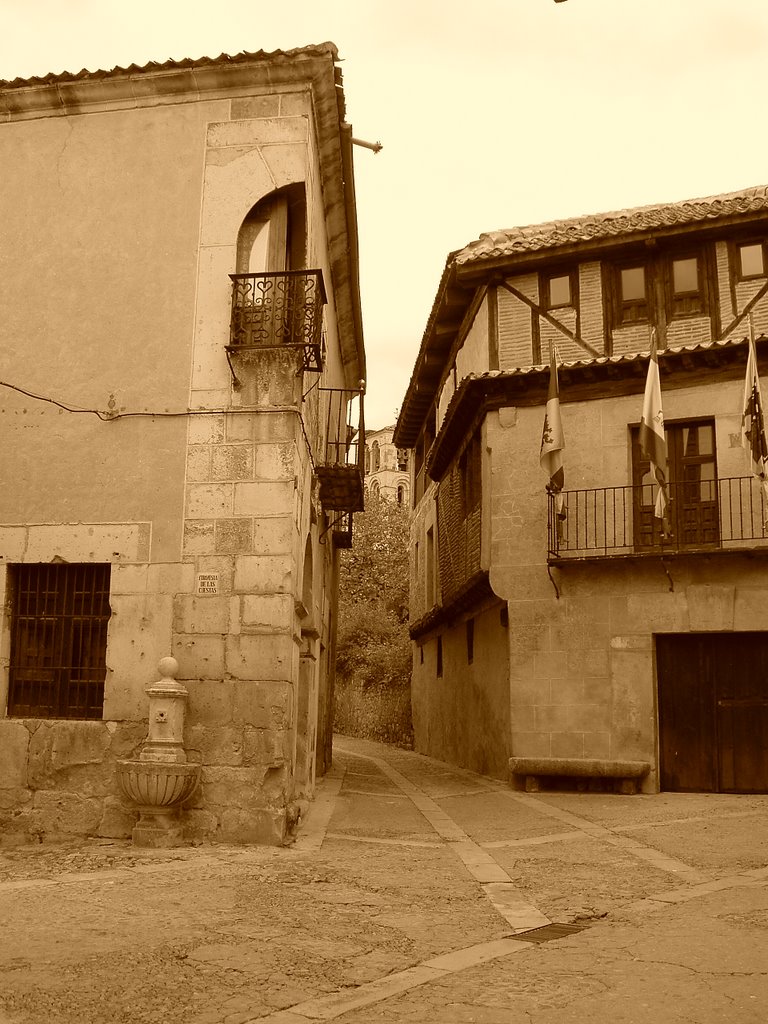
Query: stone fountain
column 161, row 779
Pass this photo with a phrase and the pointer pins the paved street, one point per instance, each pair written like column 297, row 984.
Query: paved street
column 415, row 892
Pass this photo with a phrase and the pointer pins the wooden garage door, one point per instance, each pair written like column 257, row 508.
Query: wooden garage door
column 713, row 712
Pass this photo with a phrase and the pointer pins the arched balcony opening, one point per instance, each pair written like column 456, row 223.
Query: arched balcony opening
column 276, row 301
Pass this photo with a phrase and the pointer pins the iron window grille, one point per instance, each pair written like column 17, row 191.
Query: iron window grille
column 59, row 617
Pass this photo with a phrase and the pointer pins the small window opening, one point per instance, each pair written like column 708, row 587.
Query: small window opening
column 751, row 260
column 439, row 657
column 559, row 291
column 470, row 641
column 59, row 617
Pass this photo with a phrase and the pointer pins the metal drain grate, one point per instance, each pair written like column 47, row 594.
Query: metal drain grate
column 548, row 932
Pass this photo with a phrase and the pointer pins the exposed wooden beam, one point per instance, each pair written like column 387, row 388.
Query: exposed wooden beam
column 745, row 312
column 550, row 319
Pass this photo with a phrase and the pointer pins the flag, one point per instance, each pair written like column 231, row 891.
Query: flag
column 552, row 440
column 752, row 422
column 653, row 443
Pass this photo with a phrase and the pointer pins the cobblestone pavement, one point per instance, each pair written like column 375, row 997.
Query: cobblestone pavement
column 415, row 892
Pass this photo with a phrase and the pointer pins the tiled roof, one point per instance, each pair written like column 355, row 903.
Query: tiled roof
column 624, row 358
column 174, row 65
column 527, row 385
column 575, row 230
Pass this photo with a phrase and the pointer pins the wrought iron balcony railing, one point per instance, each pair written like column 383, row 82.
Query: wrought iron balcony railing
column 703, row 515
column 341, row 466
column 270, row 310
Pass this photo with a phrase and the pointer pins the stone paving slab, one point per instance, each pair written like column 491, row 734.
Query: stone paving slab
column 674, row 973
column 379, row 913
column 481, row 817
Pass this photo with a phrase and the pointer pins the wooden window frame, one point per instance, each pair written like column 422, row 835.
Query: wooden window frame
column 705, row 534
column 659, row 289
column 735, row 259
column 621, row 309
column 687, row 298
column 470, row 474
column 544, row 288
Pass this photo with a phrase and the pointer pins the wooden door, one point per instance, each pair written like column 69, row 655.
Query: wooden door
column 713, row 712
column 693, row 514
column 686, row 702
column 742, row 714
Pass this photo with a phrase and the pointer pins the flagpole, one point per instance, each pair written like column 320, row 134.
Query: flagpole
column 553, row 443
column 753, row 437
column 653, row 442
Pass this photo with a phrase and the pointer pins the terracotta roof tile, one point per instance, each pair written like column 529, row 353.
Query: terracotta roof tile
column 173, row 65
column 534, row 237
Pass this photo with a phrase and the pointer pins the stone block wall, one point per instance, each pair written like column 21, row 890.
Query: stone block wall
column 57, row 779
column 581, row 657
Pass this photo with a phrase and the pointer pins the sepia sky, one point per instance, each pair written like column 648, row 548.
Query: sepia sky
column 492, row 114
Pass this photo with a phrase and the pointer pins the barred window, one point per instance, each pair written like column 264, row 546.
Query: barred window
column 59, row 617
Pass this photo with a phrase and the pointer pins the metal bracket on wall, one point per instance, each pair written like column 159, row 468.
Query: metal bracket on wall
column 552, row 581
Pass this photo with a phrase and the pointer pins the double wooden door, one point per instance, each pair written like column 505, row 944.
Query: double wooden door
column 692, row 517
column 713, row 712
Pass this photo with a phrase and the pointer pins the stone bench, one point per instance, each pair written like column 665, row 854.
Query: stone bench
column 626, row 775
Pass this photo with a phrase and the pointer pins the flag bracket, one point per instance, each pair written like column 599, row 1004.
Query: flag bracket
column 669, row 576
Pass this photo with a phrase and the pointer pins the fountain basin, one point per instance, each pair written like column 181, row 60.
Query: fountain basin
column 155, row 784
column 158, row 789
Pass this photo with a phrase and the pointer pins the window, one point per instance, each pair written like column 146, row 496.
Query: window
column 402, row 494
column 692, row 515
column 402, row 460
column 750, row 261
column 423, row 445
column 375, row 464
column 470, row 641
column 670, row 284
column 632, row 294
column 687, row 293
column 439, row 657
column 558, row 290
column 430, row 568
column 470, row 473
column 59, row 616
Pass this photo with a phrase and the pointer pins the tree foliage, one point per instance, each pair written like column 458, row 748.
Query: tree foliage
column 373, row 645
column 375, row 568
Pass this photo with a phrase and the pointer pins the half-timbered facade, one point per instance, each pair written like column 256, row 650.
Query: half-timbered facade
column 595, row 643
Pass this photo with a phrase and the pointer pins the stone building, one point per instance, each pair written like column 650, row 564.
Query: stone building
column 596, row 644
column 181, row 359
column 386, row 467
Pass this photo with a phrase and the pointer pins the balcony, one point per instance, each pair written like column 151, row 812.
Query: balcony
column 703, row 516
column 340, row 466
column 272, row 310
